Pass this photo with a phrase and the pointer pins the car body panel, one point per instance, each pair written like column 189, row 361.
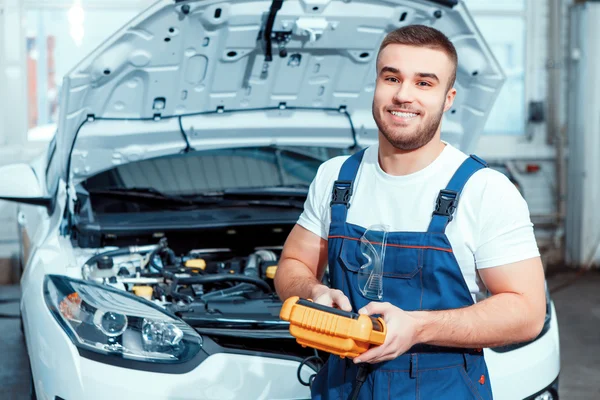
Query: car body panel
column 520, row 373
column 167, row 63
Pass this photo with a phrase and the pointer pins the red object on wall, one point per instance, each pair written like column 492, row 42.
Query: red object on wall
column 32, row 89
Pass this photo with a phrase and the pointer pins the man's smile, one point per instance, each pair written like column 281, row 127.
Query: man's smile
column 403, row 115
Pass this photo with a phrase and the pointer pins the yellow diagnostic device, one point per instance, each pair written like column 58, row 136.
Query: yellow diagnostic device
column 335, row 331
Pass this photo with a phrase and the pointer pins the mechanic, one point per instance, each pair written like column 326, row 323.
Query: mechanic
column 457, row 230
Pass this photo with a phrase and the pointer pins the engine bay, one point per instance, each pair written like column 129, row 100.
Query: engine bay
column 210, row 288
column 226, row 294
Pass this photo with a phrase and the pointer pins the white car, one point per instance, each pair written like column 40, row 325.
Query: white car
column 152, row 226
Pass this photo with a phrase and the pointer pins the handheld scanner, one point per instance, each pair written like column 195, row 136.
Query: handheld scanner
column 335, row 331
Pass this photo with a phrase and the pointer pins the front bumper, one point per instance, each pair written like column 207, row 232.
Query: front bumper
column 529, row 370
column 548, row 393
column 60, row 372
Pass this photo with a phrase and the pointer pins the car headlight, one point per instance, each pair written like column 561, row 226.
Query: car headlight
column 107, row 324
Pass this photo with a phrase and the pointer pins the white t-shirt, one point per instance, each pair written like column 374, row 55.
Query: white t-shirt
column 491, row 226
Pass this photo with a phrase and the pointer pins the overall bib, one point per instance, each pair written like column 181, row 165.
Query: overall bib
column 420, row 273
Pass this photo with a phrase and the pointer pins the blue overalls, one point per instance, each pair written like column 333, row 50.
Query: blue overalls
column 420, row 273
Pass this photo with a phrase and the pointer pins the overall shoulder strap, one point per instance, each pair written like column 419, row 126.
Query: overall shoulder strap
column 342, row 188
column 447, row 199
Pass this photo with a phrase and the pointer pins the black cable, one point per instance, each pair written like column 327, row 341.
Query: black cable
column 218, row 278
column 302, row 364
column 9, row 316
column 153, row 263
column 361, row 377
column 188, row 147
column 352, row 129
column 275, row 7
column 179, row 296
column 236, row 290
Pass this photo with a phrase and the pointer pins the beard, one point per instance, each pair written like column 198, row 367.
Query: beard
column 408, row 141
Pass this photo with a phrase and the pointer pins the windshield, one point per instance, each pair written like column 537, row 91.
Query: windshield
column 220, row 170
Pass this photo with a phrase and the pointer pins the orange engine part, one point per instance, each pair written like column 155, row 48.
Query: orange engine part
column 330, row 329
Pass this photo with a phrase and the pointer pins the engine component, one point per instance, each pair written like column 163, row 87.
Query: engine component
column 218, row 278
column 270, row 271
column 143, row 291
column 105, row 262
column 251, row 268
column 346, row 334
column 198, row 263
column 119, row 252
column 158, row 274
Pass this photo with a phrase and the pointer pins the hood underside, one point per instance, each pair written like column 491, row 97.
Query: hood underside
column 200, row 74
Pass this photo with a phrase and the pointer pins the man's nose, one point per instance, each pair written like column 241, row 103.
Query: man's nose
column 404, row 93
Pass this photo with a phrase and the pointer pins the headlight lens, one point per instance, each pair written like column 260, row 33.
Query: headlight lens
column 111, row 322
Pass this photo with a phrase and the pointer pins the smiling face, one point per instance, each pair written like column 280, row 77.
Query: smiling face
column 411, row 94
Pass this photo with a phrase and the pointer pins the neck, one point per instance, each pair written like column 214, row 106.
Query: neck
column 404, row 162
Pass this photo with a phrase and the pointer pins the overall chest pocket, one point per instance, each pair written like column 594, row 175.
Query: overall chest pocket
column 400, row 261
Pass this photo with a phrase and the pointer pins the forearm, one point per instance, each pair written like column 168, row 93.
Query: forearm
column 294, row 278
column 499, row 320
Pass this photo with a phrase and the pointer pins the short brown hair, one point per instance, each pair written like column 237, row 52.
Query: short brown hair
column 423, row 36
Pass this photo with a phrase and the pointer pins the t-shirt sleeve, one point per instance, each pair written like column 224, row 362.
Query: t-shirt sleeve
column 506, row 232
column 315, row 216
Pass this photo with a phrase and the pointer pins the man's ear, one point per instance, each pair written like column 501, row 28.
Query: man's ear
column 449, row 99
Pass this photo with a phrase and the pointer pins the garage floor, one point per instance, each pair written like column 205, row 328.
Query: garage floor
column 577, row 299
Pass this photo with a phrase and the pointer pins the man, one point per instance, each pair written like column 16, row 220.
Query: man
column 456, row 231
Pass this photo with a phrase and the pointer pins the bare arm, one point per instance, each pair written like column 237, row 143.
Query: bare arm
column 514, row 313
column 301, row 269
column 302, row 264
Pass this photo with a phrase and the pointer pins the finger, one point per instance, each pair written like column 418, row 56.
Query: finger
column 383, row 358
column 324, row 299
column 371, row 354
column 341, row 300
column 375, row 307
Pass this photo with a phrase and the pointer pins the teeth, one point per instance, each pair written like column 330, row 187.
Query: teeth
column 404, row 115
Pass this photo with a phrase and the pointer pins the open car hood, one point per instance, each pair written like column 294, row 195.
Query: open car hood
column 200, row 75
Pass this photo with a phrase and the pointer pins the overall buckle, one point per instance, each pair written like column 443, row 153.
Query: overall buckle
column 342, row 190
column 446, row 203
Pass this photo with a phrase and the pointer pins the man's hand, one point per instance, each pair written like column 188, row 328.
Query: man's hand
column 321, row 294
column 401, row 333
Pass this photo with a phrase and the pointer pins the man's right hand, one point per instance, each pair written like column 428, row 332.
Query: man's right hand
column 326, row 296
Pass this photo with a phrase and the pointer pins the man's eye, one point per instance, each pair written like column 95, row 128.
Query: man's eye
column 391, row 79
column 422, row 83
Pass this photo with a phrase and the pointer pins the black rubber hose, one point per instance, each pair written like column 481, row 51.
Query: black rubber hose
column 111, row 253
column 9, row 316
column 201, row 280
column 162, row 245
column 236, row 290
column 5, row 301
column 302, row 364
column 151, row 258
column 361, row 377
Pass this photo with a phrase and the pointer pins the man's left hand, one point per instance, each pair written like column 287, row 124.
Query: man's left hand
column 401, row 333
